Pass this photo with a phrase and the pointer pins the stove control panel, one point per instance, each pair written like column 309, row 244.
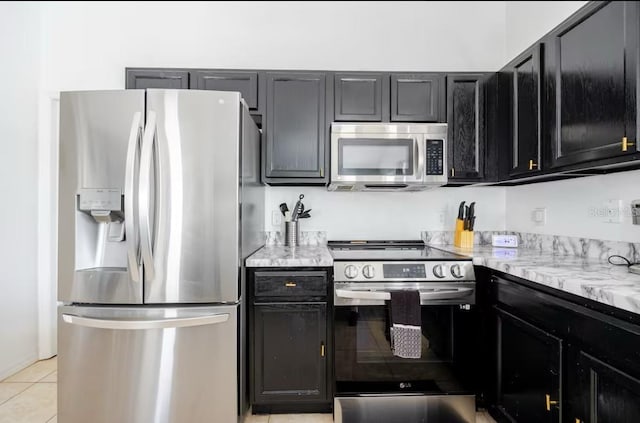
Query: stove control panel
column 372, row 271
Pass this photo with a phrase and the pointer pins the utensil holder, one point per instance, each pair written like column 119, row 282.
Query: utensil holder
column 291, row 234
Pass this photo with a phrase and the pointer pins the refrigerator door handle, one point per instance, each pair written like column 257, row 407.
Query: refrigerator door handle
column 130, row 175
column 141, row 324
column 144, row 198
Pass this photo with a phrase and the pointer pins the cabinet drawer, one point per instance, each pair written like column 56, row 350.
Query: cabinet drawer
column 290, row 284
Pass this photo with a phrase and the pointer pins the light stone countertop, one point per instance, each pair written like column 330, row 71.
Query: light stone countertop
column 590, row 278
column 301, row 256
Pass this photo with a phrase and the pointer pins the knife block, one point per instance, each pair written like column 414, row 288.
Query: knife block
column 462, row 238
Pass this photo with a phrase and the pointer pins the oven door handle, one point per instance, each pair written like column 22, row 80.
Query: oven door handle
column 436, row 294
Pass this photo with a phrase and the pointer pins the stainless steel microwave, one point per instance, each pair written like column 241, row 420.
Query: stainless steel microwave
column 388, row 156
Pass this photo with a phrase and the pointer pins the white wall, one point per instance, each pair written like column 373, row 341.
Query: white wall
column 88, row 45
column 19, row 72
column 576, row 207
column 378, row 215
column 527, row 21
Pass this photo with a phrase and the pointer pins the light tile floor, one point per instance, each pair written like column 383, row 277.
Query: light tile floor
column 29, row 396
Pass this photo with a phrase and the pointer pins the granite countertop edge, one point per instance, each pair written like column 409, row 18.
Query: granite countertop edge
column 301, row 256
column 585, row 277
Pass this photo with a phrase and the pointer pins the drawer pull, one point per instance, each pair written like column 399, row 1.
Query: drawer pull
column 578, row 421
column 532, row 165
column 290, row 284
column 549, row 402
column 322, row 350
column 626, row 143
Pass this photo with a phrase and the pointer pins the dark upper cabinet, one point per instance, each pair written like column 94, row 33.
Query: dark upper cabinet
column 591, row 71
column 466, row 133
column 529, row 371
column 244, row 82
column 290, row 348
column 417, row 97
column 361, row 96
column 156, row 78
column 296, row 128
column 603, row 393
column 525, row 102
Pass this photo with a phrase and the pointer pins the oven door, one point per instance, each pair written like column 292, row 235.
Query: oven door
column 384, row 159
column 364, row 362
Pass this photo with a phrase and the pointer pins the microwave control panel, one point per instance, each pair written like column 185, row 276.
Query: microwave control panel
column 435, row 157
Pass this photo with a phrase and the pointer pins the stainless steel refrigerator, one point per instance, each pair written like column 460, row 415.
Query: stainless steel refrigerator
column 160, row 202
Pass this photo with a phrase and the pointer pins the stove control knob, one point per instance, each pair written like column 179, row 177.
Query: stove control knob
column 368, row 271
column 457, row 271
column 351, row 271
column 439, row 270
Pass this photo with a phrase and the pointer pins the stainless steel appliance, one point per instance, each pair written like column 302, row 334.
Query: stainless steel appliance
column 388, row 156
column 373, row 385
column 160, row 202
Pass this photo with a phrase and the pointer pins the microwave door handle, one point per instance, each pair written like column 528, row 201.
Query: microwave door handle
column 130, row 219
column 384, row 296
column 420, row 171
column 144, row 196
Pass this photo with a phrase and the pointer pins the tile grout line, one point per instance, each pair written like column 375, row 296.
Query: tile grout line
column 18, row 393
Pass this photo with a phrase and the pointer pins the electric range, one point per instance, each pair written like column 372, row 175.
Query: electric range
column 371, row 383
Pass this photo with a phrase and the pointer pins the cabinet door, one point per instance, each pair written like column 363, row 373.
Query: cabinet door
column 465, row 119
column 529, row 370
column 592, row 72
column 525, row 113
column 358, row 96
column 295, row 127
column 244, row 82
column 290, row 352
column 156, row 78
column 606, row 394
column 416, row 97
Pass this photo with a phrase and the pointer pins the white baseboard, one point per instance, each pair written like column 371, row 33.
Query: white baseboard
column 22, row 364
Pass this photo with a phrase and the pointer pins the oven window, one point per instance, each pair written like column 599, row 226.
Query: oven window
column 374, row 156
column 364, row 361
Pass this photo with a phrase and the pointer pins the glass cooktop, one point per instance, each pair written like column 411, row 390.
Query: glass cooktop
column 389, row 250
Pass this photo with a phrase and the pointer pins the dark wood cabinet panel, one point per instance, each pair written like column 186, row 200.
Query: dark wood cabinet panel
column 290, row 352
column 360, row 96
column 296, row 127
column 465, row 119
column 525, row 99
column 244, row 82
column 591, row 70
column 603, row 393
column 156, row 78
column 416, row 97
column 529, row 370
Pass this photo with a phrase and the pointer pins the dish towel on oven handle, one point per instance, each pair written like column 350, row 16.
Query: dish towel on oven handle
column 406, row 331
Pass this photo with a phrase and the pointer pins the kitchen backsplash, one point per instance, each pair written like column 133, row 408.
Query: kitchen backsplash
column 306, row 238
column 562, row 245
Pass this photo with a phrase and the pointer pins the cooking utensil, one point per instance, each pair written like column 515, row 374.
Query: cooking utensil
column 284, row 209
column 304, row 215
column 297, row 209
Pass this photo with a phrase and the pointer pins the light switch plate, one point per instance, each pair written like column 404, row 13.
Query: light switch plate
column 539, row 216
column 613, row 211
column 510, row 241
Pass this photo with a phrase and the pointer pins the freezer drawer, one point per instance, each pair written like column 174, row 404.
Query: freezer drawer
column 143, row 364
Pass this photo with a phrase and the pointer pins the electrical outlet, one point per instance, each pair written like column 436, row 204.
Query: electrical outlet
column 612, row 211
column 276, row 218
column 539, row 216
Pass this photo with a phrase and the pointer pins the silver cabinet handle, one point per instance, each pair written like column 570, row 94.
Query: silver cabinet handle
column 185, row 322
column 129, row 197
column 383, row 296
column 144, row 194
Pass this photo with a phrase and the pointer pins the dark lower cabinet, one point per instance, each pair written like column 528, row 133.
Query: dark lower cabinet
column 603, row 393
column 529, row 369
column 466, row 131
column 156, row 78
column 591, row 72
column 290, row 346
column 296, row 146
column 289, row 340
